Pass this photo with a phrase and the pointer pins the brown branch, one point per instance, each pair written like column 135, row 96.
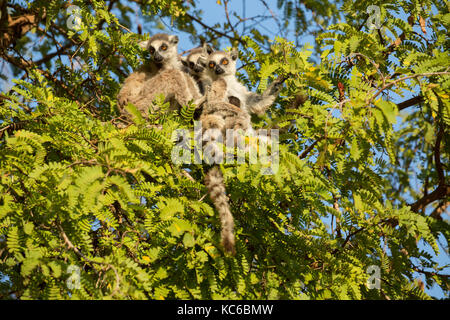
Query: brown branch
column 381, row 37
column 214, row 30
column 83, row 162
column 391, row 48
column 417, row 75
column 341, row 89
column 273, row 15
column 12, row 28
column 49, row 56
column 376, row 65
column 25, row 65
column 19, row 125
column 399, row 40
column 347, row 239
column 187, row 175
column 9, row 98
column 225, row 3
column 430, row 273
column 441, row 192
column 364, row 22
column 80, row 254
column 410, row 102
column 102, row 21
column 308, row 150
column 338, row 222
column 440, row 209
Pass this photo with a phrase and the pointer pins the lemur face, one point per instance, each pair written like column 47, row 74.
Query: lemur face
column 198, row 58
column 163, row 47
column 222, row 63
column 195, row 62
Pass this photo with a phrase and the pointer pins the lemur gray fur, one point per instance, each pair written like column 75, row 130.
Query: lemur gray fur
column 196, row 61
column 132, row 86
column 217, row 116
column 223, row 65
column 170, row 79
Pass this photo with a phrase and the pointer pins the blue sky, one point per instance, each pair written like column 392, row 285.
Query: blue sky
column 213, row 13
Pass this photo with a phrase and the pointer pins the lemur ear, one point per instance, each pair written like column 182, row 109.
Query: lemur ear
column 143, row 44
column 174, row 39
column 184, row 61
column 234, row 54
column 202, row 60
column 207, row 48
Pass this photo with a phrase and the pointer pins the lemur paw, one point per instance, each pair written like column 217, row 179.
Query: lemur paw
column 274, row 88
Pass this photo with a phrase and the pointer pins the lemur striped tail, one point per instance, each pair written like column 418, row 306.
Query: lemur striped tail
column 216, row 188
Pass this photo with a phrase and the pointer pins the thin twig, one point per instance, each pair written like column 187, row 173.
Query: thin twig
column 225, row 2
column 308, row 150
column 390, row 84
column 437, row 156
column 214, row 30
column 357, row 54
column 187, row 175
column 347, row 239
column 80, row 254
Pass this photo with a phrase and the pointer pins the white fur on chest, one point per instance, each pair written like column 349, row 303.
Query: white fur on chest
column 174, row 63
column 236, row 89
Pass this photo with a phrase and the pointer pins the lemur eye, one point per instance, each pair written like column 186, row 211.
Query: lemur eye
column 211, row 64
column 225, row 62
column 191, row 64
column 163, row 47
column 152, row 50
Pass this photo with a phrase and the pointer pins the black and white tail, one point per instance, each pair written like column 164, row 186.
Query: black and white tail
column 216, row 188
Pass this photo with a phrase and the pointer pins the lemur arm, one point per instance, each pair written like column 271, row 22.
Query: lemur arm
column 259, row 103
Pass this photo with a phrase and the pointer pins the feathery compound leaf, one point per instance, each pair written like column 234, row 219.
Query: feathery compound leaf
column 187, row 112
column 93, row 206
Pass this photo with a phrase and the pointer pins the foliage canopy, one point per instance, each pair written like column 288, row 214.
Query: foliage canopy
column 80, row 197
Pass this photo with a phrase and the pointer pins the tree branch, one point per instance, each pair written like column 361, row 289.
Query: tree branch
column 441, row 192
column 80, row 254
column 25, row 65
column 308, row 150
column 410, row 102
column 440, row 209
column 214, row 30
column 417, row 75
column 347, row 239
column 12, row 28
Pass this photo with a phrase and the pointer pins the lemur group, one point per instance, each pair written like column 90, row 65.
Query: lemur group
column 208, row 79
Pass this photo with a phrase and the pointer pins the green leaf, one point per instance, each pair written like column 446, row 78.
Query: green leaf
column 389, row 109
column 179, row 226
column 355, row 151
column 188, row 240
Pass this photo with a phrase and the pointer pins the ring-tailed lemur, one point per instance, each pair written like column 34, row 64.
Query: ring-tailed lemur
column 217, row 116
column 132, row 86
column 223, row 65
column 171, row 78
column 196, row 61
